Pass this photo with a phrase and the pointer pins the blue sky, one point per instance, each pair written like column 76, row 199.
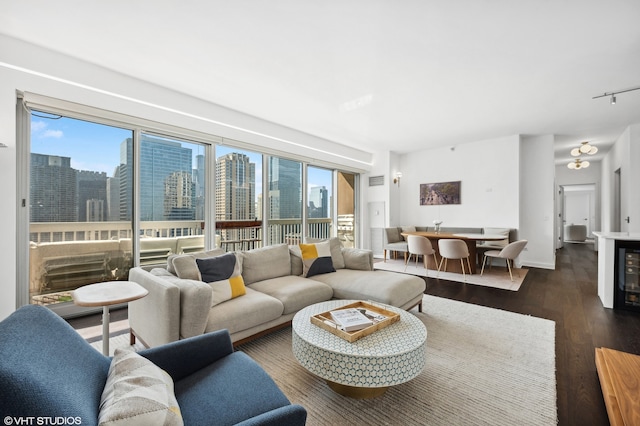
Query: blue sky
column 96, row 147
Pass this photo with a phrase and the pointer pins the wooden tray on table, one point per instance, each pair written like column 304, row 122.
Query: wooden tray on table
column 325, row 321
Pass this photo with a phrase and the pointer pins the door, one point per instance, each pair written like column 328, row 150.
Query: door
column 577, row 209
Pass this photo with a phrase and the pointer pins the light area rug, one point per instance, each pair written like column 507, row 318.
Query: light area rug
column 497, row 276
column 484, row 367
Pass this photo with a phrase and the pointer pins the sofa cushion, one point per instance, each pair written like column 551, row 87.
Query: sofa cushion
column 316, row 259
column 252, row 309
column 137, row 392
column 294, row 292
column 358, row 259
column 380, row 286
column 407, row 229
column 265, row 263
column 336, row 253
column 184, row 265
column 496, row 231
column 393, row 234
column 296, row 260
column 223, row 275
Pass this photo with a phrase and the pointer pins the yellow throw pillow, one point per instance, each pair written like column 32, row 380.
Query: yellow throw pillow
column 316, row 259
column 223, row 274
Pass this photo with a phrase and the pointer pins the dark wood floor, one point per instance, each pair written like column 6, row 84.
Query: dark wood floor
column 568, row 296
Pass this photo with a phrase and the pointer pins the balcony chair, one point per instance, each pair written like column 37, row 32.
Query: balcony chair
column 509, row 253
column 453, row 249
column 49, row 370
column 420, row 246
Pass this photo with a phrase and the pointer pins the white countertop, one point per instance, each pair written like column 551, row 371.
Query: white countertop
column 635, row 236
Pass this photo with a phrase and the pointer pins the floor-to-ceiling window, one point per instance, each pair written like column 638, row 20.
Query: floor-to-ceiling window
column 284, row 191
column 346, row 207
column 77, row 234
column 238, row 198
column 319, row 203
column 172, row 195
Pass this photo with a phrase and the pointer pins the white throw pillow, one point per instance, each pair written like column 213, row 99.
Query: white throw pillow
column 137, row 393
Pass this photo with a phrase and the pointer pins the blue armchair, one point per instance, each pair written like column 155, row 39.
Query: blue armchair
column 48, row 370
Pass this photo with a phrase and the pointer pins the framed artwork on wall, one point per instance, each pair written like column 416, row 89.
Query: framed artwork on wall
column 436, row 194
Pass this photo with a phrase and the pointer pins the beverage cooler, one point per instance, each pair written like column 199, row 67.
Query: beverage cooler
column 627, row 277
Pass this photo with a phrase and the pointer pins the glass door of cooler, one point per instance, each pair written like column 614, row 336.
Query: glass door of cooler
column 627, row 276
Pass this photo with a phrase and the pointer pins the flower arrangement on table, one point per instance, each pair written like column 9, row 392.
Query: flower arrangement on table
column 437, row 224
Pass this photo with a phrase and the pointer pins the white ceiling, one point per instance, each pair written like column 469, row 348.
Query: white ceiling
column 372, row 74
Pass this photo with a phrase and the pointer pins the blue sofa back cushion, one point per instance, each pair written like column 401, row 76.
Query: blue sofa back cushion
column 47, row 369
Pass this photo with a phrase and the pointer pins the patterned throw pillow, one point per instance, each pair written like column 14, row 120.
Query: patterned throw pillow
column 316, row 259
column 137, row 392
column 223, row 275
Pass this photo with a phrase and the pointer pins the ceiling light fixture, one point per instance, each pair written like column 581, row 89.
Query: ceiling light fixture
column 613, row 94
column 578, row 164
column 584, row 148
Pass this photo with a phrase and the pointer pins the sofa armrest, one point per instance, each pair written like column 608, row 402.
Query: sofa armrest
column 184, row 357
column 174, row 308
column 155, row 319
column 358, row 259
column 289, row 415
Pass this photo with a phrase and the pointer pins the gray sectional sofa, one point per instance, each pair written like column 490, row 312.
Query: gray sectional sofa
column 177, row 308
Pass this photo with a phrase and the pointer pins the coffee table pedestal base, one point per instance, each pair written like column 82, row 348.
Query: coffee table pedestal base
column 355, row 391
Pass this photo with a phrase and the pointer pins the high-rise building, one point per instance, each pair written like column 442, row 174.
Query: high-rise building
column 285, row 188
column 159, row 159
column 113, row 196
column 318, row 202
column 200, row 184
column 94, row 209
column 53, row 196
column 235, row 187
column 91, row 186
column 178, row 197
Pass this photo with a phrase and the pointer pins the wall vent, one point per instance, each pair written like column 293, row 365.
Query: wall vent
column 376, row 180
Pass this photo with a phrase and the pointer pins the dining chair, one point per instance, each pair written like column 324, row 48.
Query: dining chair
column 418, row 245
column 509, row 253
column 453, row 249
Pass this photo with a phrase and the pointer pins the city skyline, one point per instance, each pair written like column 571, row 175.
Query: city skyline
column 69, row 137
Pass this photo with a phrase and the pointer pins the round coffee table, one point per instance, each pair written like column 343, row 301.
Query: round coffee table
column 368, row 366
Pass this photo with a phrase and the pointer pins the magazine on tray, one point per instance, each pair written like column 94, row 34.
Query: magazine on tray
column 353, row 319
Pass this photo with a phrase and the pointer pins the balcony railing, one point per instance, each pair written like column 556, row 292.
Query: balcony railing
column 67, row 255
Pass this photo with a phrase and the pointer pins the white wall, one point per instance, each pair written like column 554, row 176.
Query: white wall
column 537, row 201
column 24, row 67
column 488, row 171
column 624, row 155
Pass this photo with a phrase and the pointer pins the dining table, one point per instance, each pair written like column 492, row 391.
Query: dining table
column 470, row 240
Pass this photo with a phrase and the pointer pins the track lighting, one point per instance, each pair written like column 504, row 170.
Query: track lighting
column 613, row 94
